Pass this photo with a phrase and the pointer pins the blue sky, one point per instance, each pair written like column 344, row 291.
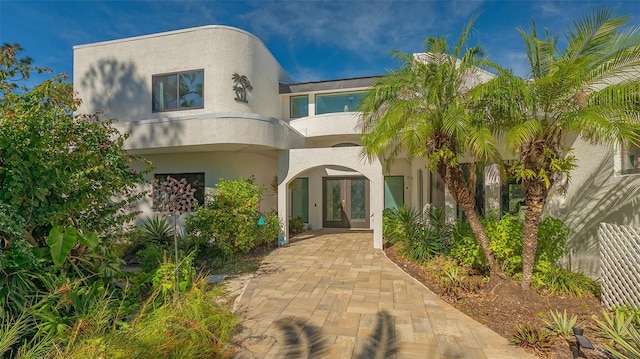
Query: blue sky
column 312, row 39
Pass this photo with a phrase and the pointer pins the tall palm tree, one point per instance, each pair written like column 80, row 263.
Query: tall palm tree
column 421, row 110
column 590, row 88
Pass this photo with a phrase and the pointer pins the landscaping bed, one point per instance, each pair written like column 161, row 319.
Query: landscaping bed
column 503, row 306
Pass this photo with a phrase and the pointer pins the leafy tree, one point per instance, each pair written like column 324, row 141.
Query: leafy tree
column 65, row 186
column 589, row 88
column 55, row 165
column 422, row 110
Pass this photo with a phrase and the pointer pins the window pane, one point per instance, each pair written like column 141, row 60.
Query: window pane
column 300, row 199
column 393, row 192
column 358, row 200
column 164, row 92
column 196, row 180
column 333, row 200
column 299, row 106
column 338, row 102
column 191, row 85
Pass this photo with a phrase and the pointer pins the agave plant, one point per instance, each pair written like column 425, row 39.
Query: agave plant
column 157, row 229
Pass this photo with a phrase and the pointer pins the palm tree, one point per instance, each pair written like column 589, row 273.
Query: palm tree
column 589, row 88
column 421, row 110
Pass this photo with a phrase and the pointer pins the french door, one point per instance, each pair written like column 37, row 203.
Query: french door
column 345, row 202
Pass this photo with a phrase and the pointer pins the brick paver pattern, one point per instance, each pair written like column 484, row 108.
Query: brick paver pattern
column 332, row 295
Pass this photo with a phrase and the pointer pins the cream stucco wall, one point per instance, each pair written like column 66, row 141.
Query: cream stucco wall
column 595, row 194
column 216, row 165
column 115, row 76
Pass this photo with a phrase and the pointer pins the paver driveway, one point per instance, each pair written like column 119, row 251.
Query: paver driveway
column 333, row 296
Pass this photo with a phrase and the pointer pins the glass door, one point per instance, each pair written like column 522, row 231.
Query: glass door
column 345, row 202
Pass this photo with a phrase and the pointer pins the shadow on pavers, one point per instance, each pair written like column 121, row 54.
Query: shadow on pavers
column 302, row 340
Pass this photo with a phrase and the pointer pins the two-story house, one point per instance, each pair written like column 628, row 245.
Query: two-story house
column 212, row 102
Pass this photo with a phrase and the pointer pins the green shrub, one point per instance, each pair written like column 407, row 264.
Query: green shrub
column 420, row 236
column 228, row 223
column 506, row 237
column 557, row 280
column 296, row 226
column 398, row 223
column 151, row 256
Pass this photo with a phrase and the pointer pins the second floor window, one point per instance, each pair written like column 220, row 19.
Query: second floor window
column 338, row 102
column 299, row 106
column 178, row 91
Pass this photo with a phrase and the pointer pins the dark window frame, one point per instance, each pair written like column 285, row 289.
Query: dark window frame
column 154, row 108
column 291, row 106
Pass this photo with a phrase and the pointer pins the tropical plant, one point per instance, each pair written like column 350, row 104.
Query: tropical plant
column 421, row 110
column 505, row 235
column 156, row 229
column 586, row 85
column 397, row 223
column 557, row 280
column 561, row 324
column 296, row 225
column 622, row 331
column 536, row 338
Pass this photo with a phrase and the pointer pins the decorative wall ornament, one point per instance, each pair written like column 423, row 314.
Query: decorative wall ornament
column 241, row 87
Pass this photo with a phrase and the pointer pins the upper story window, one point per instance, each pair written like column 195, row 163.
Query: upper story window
column 630, row 159
column 299, row 106
column 178, row 91
column 339, row 102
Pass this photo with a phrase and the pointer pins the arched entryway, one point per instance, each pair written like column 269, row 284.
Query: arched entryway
column 348, row 190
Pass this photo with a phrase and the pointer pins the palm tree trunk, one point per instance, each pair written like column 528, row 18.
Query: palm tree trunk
column 535, row 198
column 454, row 180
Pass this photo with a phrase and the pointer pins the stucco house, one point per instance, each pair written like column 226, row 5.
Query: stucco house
column 212, row 102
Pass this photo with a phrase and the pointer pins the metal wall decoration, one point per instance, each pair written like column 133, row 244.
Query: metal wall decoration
column 241, row 86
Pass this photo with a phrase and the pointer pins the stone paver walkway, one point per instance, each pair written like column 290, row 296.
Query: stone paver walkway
column 334, row 296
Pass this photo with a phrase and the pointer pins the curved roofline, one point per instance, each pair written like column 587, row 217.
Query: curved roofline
column 283, row 78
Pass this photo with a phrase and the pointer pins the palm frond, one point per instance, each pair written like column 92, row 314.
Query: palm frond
column 524, row 132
